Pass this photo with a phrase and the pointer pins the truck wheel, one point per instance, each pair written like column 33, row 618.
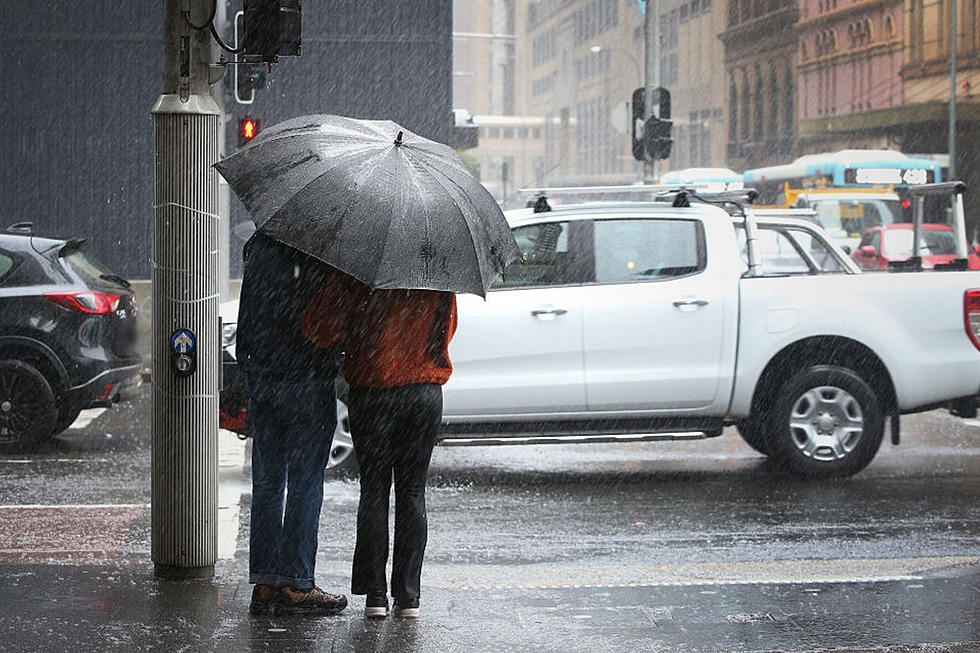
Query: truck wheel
column 753, row 431
column 826, row 422
column 27, row 408
column 343, row 461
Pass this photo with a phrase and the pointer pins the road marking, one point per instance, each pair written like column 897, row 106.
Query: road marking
column 74, row 506
column 972, row 422
column 53, row 460
column 779, row 572
column 86, row 417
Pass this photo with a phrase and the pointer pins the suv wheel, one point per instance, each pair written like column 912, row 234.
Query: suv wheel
column 826, row 422
column 27, row 407
column 68, row 412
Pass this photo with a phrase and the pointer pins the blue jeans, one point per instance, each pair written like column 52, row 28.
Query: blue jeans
column 293, row 422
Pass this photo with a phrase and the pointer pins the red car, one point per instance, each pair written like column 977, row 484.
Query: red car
column 885, row 243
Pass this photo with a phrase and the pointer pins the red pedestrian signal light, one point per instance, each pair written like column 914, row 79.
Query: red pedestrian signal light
column 248, row 128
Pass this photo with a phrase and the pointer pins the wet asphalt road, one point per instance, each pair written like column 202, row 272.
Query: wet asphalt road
column 646, row 546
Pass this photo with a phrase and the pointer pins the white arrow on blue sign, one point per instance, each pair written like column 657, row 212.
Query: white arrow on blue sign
column 182, row 341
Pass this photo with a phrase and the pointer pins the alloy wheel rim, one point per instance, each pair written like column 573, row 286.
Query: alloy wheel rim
column 826, row 423
column 18, row 408
column 343, row 445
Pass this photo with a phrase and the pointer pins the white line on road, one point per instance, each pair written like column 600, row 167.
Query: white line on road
column 53, row 460
column 86, row 417
column 777, row 572
column 972, row 422
column 73, row 506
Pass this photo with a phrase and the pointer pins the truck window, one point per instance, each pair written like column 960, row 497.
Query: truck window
column 644, row 250
column 544, row 257
column 781, row 252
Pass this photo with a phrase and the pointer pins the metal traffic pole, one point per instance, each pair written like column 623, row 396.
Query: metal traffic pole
column 651, row 73
column 186, row 347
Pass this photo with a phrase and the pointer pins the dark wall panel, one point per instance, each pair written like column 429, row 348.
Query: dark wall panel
column 81, row 76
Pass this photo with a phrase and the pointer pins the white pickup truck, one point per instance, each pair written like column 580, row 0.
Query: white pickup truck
column 645, row 321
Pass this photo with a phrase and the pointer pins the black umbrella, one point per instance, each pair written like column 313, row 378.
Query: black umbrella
column 384, row 205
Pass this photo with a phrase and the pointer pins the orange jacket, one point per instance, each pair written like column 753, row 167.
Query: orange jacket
column 394, row 337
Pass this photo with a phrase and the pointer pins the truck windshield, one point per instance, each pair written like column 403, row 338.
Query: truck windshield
column 849, row 218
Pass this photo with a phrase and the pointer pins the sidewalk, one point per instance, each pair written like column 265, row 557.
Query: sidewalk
column 118, row 606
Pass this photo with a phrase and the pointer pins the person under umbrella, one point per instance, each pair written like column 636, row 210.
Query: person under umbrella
column 290, row 447
column 396, row 362
column 408, row 226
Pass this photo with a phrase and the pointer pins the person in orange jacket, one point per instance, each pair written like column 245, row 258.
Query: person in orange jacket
column 396, row 362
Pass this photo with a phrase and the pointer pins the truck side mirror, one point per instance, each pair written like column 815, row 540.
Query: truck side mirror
column 867, row 250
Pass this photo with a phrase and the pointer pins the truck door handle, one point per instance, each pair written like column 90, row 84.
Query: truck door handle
column 690, row 302
column 547, row 313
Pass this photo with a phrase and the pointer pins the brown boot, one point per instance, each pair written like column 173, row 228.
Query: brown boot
column 263, row 599
column 312, row 601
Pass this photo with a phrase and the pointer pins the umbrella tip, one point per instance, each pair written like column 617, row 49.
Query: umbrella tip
column 398, row 139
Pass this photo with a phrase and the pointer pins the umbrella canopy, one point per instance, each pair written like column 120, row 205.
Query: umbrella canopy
column 371, row 198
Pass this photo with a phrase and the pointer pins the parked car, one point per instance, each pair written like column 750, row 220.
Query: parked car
column 233, row 400
column 883, row 244
column 666, row 320
column 67, row 336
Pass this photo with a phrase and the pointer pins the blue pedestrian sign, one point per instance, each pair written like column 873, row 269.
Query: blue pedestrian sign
column 182, row 341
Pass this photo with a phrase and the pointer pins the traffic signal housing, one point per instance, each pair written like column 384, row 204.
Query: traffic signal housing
column 248, row 128
column 273, row 28
column 651, row 136
column 657, row 140
column 248, row 78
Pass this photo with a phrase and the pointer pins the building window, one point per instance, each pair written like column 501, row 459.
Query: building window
column 773, row 104
column 705, row 6
column 732, row 110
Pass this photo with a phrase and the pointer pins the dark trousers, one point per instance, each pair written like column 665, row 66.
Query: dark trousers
column 292, row 427
column 394, row 431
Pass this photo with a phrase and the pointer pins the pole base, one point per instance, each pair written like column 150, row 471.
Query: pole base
column 175, row 572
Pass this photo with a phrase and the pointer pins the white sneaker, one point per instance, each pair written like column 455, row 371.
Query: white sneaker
column 410, row 609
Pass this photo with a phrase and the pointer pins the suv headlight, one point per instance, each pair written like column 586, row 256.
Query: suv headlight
column 229, row 331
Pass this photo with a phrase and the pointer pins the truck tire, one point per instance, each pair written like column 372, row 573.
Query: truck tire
column 753, row 431
column 27, row 407
column 826, row 422
column 343, row 461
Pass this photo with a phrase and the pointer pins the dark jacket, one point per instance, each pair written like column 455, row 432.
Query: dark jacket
column 277, row 286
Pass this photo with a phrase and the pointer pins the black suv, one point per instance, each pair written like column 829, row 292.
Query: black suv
column 67, row 335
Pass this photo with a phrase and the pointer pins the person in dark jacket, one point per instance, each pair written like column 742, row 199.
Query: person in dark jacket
column 292, row 405
column 396, row 362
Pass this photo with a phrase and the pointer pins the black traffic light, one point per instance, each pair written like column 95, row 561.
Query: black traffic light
column 273, row 28
column 657, row 138
column 639, row 113
column 651, row 138
column 248, row 78
column 248, row 128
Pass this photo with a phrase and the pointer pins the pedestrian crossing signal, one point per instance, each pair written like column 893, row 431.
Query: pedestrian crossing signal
column 248, row 128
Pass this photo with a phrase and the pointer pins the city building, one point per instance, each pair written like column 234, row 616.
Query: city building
column 760, row 64
column 926, row 76
column 849, row 75
column 692, row 68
